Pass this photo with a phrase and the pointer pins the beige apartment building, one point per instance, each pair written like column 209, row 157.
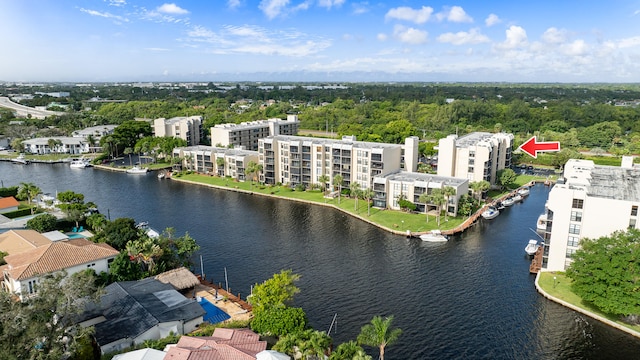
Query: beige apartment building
column 247, row 134
column 215, row 160
column 297, row 160
column 477, row 156
column 592, row 201
column 186, row 128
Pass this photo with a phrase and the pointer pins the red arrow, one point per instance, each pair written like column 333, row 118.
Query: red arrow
column 532, row 147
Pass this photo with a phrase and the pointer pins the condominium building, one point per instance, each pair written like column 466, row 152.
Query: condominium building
column 477, row 156
column 592, row 201
column 247, row 134
column 216, row 161
column 297, row 160
column 186, row 128
column 388, row 189
column 57, row 145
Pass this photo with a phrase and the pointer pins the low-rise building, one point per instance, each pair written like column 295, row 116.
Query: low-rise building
column 56, row 145
column 186, row 128
column 247, row 134
column 216, row 160
column 590, row 202
column 8, row 204
column 477, row 156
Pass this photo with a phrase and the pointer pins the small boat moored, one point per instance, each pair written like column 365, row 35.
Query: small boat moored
column 137, row 170
column 20, row 160
column 434, row 236
column 523, row 191
column 532, row 247
column 79, row 163
column 541, row 225
column 490, row 213
column 517, row 198
column 508, row 202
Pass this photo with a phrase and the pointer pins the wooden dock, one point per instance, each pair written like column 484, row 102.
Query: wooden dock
column 536, row 263
column 233, row 298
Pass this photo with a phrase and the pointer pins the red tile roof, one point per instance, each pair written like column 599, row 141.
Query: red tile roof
column 224, row 344
column 56, row 256
column 8, row 202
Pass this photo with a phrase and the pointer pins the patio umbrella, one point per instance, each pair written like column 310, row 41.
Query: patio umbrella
column 271, row 355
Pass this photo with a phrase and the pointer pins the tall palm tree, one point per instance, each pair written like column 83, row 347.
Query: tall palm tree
column 28, row 191
column 447, row 191
column 220, row 166
column 354, row 187
column 252, row 169
column 437, row 198
column 92, row 142
column 379, row 333
column 424, row 198
column 323, row 179
column 368, row 194
column 349, row 350
column 478, row 187
column 337, row 181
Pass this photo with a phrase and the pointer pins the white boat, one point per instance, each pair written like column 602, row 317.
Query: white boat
column 490, row 213
column 79, row 163
column 541, row 225
column 137, row 170
column 517, row 198
column 532, row 247
column 161, row 175
column 20, row 160
column 433, row 236
column 523, row 191
column 508, row 202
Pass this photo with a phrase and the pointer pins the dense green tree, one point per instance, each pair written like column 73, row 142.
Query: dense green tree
column 42, row 223
column 308, row 344
column 42, row 327
column 124, row 269
column 118, row 233
column 277, row 291
column 506, row 177
column 379, row 333
column 478, row 187
column 561, row 157
column 279, row 321
column 128, row 133
column 606, row 273
column 28, row 191
column 349, row 350
column 73, row 205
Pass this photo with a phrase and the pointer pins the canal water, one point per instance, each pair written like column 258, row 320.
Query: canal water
column 469, row 298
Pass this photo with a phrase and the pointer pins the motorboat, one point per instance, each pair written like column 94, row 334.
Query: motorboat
column 508, row 202
column 523, row 191
column 541, row 225
column 20, row 160
column 490, row 213
column 137, row 170
column 79, row 163
column 161, row 175
column 517, row 198
column 532, row 247
column 434, row 236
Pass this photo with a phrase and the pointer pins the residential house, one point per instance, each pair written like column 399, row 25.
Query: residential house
column 131, row 312
column 476, row 156
column 17, row 241
column 23, row 269
column 247, row 134
column 186, row 128
column 223, row 344
column 590, row 201
column 8, row 204
column 59, row 145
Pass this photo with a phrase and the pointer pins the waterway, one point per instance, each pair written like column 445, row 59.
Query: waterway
column 469, row 298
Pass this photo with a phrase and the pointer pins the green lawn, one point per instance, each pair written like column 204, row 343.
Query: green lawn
column 560, row 287
column 391, row 219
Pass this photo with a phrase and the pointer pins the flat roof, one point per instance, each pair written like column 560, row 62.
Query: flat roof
column 614, row 183
column 413, row 177
column 320, row 141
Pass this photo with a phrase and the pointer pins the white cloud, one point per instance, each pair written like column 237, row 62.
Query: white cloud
column 576, row 48
column 462, row 37
column 410, row 35
column 273, row 8
column 330, row 3
column 492, row 19
column 555, row 36
column 418, row 16
column 382, row 37
column 157, row 49
column 233, row 3
column 171, row 9
column 516, row 37
column 117, row 3
column 628, row 42
column 104, row 15
column 454, row 14
column 360, row 8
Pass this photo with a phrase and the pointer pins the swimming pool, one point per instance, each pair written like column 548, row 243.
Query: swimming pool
column 76, row 236
column 213, row 315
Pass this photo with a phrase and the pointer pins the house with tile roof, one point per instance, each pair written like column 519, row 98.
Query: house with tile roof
column 16, row 241
column 223, row 344
column 131, row 312
column 8, row 204
column 23, row 269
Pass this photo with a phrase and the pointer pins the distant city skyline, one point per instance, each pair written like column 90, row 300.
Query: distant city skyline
column 320, row 40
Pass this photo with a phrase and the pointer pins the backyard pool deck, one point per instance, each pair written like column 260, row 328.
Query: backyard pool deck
column 232, row 306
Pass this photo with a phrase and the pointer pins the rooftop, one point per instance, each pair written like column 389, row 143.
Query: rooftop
column 334, row 142
column 421, row 177
column 611, row 182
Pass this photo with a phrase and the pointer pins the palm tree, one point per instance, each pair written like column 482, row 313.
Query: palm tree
column 437, row 199
column 323, row 179
column 28, row 191
column 252, row 169
column 92, row 142
column 128, row 151
column 349, row 350
column 448, row 191
column 368, row 194
column 424, row 198
column 354, row 187
column 220, row 166
column 379, row 333
column 337, row 181
column 478, row 187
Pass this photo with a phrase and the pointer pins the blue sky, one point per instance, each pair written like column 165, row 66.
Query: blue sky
column 133, row 40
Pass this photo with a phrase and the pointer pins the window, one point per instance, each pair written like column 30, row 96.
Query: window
column 634, row 210
column 576, row 216
column 577, row 203
column 574, row 229
column 32, row 286
column 570, row 253
column 632, row 223
column 573, row 241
